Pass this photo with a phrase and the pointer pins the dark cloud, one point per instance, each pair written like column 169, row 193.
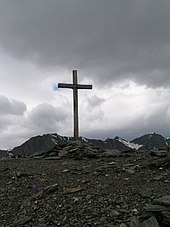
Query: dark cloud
column 107, row 40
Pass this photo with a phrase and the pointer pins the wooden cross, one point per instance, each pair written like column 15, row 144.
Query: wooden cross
column 75, row 86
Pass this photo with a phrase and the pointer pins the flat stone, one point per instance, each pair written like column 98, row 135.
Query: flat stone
column 134, row 222
column 73, row 150
column 23, row 220
column 112, row 153
column 73, row 190
column 53, row 154
column 160, row 153
column 38, row 157
column 156, row 208
column 151, row 222
column 123, row 225
column 52, row 158
column 51, row 188
column 38, row 195
column 166, row 217
column 114, row 214
column 158, row 178
column 164, row 200
column 130, row 168
column 145, row 192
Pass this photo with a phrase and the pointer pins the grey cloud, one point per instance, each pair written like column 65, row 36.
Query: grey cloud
column 13, row 107
column 107, row 40
column 153, row 118
column 4, row 123
column 16, row 129
column 46, row 117
column 95, row 101
column 158, row 125
column 160, row 119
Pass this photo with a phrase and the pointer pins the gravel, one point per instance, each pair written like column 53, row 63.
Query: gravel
column 104, row 191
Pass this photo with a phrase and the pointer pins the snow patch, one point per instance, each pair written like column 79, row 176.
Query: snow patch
column 129, row 144
column 54, row 141
column 84, row 139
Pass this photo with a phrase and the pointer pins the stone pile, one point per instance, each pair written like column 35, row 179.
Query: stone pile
column 75, row 150
column 156, row 214
column 160, row 209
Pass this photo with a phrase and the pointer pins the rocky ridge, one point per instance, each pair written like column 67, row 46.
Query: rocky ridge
column 39, row 144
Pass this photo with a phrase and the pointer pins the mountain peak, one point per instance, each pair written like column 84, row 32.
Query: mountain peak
column 152, row 141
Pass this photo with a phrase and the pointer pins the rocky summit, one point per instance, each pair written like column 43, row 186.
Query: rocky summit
column 79, row 185
column 75, row 149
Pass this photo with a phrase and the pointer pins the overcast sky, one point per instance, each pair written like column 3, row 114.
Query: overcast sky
column 121, row 47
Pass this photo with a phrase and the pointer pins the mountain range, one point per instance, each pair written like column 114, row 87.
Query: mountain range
column 41, row 143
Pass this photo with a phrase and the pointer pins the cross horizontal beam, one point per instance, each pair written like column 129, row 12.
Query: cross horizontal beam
column 72, row 86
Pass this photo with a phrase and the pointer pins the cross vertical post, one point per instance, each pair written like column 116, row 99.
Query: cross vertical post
column 75, row 104
column 75, row 86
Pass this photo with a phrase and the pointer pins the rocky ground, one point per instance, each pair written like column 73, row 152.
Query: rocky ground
column 59, row 189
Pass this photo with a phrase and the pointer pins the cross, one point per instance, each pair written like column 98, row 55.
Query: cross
column 75, row 86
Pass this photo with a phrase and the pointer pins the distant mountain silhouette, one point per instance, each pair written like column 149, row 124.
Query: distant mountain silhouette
column 42, row 143
column 152, row 141
column 39, row 144
column 117, row 144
